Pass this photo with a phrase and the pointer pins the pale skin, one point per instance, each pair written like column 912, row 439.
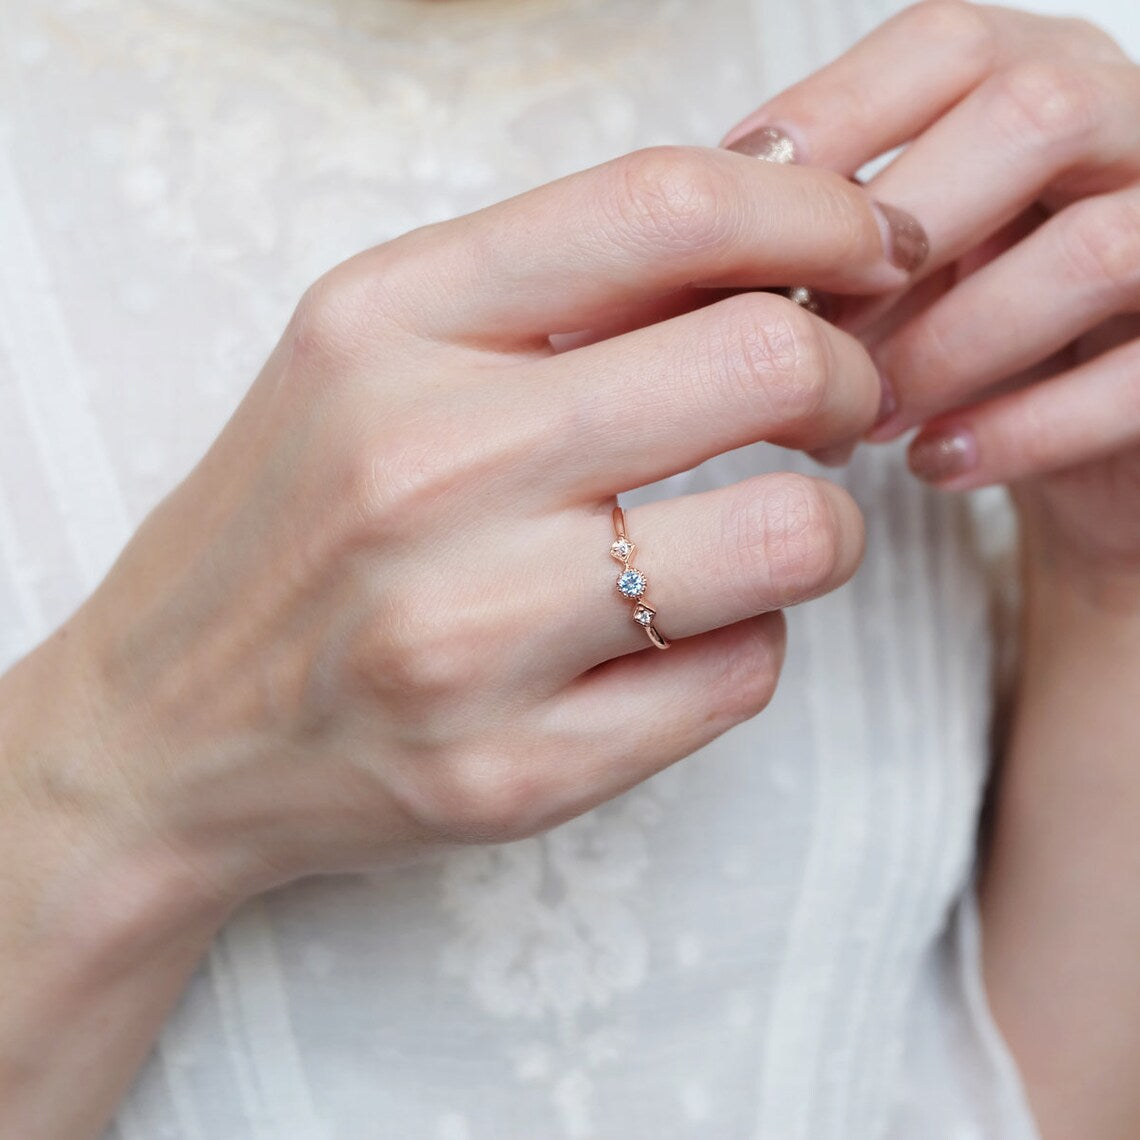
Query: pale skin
column 266, row 685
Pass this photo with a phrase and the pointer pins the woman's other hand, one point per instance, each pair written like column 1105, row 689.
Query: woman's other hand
column 1017, row 355
column 1018, row 352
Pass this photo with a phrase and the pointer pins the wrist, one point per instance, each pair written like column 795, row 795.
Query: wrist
column 1077, row 688
column 1058, row 872
column 100, row 921
column 1071, row 584
column 74, row 838
column 1102, row 599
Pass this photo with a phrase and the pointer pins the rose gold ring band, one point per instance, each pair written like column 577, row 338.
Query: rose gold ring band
column 632, row 584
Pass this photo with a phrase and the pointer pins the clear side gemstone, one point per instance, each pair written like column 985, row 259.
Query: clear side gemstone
column 621, row 549
column 643, row 615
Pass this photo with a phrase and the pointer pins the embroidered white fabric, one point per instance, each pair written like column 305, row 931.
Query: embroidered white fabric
column 776, row 937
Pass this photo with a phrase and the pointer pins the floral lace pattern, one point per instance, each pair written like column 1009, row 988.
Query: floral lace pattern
column 548, row 930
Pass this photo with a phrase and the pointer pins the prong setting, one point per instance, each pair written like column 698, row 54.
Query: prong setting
column 622, row 550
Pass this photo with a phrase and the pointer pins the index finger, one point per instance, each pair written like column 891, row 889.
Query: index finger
column 890, row 86
column 561, row 258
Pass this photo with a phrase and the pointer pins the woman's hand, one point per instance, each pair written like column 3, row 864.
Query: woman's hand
column 381, row 612
column 1019, row 353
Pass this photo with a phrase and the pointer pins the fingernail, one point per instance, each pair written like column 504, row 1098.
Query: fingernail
column 887, row 425
column 768, row 143
column 838, row 455
column 888, row 401
column 889, row 430
column 905, row 239
column 943, row 455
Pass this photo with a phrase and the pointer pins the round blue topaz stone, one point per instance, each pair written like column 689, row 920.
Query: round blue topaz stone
column 632, row 583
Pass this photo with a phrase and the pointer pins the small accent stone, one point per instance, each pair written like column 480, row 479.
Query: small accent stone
column 643, row 615
column 621, row 549
column 632, row 583
column 807, row 299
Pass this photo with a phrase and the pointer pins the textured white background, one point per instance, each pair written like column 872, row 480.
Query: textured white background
column 746, row 946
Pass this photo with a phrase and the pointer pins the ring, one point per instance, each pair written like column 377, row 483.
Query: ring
column 805, row 298
column 632, row 583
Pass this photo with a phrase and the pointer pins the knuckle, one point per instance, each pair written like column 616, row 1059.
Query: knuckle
column 1102, row 242
column 344, row 308
column 671, row 198
column 801, row 537
column 416, row 653
column 955, row 22
column 483, row 795
column 790, row 530
column 775, row 353
column 1048, row 103
column 327, row 315
column 790, row 359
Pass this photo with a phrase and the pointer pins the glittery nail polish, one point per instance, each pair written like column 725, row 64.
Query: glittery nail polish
column 907, row 243
column 768, row 143
column 943, row 454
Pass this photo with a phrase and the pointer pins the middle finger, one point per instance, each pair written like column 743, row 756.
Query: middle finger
column 659, row 400
column 1040, row 126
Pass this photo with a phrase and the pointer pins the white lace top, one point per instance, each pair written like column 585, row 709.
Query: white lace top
column 763, row 941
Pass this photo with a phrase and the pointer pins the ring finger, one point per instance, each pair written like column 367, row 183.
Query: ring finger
column 659, row 400
column 707, row 560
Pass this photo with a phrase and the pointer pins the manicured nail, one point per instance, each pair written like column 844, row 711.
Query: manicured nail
column 768, row 143
column 905, row 239
column 888, row 424
column 838, row 455
column 944, row 454
column 888, row 401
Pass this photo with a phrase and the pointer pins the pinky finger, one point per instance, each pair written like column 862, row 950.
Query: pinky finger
column 1078, row 416
column 628, row 718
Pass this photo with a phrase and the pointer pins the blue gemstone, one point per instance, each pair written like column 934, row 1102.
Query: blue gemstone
column 632, row 583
